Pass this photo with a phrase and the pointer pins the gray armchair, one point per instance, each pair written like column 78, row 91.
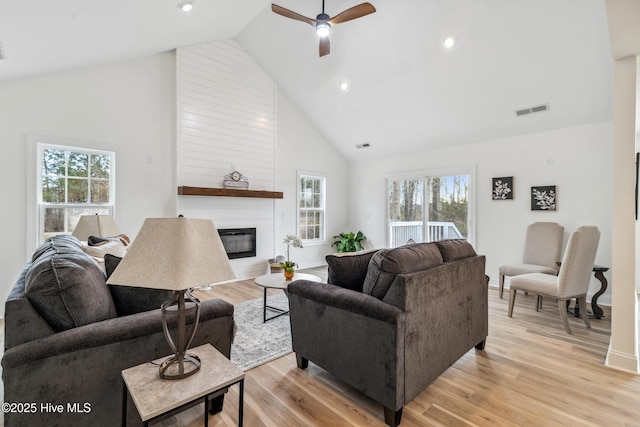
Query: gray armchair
column 391, row 321
column 571, row 282
column 542, row 248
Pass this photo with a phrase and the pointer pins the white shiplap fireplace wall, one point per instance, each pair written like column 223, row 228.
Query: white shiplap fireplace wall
column 226, row 121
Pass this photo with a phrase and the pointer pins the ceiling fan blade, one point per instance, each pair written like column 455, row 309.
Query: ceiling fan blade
column 325, row 46
column 353, row 13
column 291, row 14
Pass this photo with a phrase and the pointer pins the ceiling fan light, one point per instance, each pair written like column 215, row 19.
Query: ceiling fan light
column 322, row 29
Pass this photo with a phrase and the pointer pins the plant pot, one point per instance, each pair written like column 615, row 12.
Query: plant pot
column 288, row 274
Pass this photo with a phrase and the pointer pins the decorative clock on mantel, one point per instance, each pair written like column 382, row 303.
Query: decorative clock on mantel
column 235, row 180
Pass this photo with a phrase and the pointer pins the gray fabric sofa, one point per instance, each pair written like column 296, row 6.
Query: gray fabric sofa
column 66, row 344
column 390, row 322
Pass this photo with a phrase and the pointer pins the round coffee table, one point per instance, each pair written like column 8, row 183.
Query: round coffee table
column 277, row 281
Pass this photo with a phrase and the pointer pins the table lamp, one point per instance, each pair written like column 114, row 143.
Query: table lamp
column 177, row 254
column 95, row 225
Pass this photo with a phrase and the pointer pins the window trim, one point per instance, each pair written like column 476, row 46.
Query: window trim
column 300, row 174
column 34, row 179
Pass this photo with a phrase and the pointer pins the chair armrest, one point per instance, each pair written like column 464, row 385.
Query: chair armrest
column 106, row 332
column 346, row 299
column 337, row 329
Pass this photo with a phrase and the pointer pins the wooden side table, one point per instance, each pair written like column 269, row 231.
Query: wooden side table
column 155, row 397
column 598, row 272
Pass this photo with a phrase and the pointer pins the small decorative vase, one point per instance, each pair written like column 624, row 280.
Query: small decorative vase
column 288, row 273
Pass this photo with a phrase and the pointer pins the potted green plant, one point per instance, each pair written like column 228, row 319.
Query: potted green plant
column 349, row 242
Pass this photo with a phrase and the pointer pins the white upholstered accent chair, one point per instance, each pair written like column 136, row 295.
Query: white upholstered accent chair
column 571, row 282
column 542, row 248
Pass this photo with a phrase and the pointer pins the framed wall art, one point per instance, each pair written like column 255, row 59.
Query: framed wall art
column 502, row 188
column 543, row 198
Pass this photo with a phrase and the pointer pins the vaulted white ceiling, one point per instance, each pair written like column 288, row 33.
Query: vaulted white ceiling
column 407, row 91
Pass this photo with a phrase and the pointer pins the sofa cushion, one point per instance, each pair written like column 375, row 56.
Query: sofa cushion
column 386, row 264
column 131, row 299
column 455, row 249
column 59, row 244
column 348, row 270
column 66, row 287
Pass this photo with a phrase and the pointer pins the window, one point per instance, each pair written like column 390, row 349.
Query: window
column 311, row 208
column 430, row 206
column 71, row 182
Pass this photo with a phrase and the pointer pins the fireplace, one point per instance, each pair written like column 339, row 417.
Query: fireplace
column 238, row 242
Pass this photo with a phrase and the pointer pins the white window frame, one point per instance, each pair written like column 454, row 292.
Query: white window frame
column 323, row 209
column 35, row 206
column 449, row 171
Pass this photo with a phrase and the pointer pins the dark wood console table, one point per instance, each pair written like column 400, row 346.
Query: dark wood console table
column 598, row 272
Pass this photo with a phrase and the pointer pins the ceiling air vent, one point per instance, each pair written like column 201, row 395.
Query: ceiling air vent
column 365, row 145
column 2, row 54
column 531, row 110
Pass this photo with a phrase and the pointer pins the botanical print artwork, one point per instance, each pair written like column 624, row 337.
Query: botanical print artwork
column 543, row 198
column 502, row 188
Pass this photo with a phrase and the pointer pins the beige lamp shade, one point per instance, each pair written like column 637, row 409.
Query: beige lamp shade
column 174, row 254
column 95, row 225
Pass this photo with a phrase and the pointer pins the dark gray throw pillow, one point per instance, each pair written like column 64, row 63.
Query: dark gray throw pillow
column 66, row 287
column 455, row 249
column 386, row 264
column 348, row 270
column 131, row 299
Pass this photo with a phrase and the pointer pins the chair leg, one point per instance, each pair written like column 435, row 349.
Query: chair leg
column 582, row 303
column 301, row 362
column 501, row 289
column 512, row 300
column 216, row 404
column 562, row 308
column 391, row 417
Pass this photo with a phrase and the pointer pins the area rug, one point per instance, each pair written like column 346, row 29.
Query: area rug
column 257, row 342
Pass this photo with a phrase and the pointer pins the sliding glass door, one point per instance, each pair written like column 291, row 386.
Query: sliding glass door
column 431, row 207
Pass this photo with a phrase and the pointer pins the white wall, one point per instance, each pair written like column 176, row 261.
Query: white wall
column 301, row 147
column 226, row 121
column 581, row 170
column 128, row 105
column 131, row 106
column 231, row 117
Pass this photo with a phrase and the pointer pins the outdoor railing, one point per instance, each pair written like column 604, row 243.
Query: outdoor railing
column 401, row 231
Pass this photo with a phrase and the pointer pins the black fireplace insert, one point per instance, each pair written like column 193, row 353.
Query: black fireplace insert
column 238, row 242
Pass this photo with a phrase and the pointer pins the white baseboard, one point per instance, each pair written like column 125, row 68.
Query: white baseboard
column 622, row 361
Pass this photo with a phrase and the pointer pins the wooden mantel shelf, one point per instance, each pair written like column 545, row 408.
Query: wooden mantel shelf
column 228, row 192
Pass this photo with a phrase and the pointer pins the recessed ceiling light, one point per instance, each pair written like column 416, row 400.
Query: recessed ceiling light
column 449, row 42
column 186, row 5
column 345, row 86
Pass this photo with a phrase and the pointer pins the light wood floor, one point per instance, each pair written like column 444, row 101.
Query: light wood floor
column 531, row 373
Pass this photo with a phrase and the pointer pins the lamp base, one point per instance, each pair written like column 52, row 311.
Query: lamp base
column 171, row 368
column 180, row 365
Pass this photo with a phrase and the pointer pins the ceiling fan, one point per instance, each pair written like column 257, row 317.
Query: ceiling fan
column 323, row 22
